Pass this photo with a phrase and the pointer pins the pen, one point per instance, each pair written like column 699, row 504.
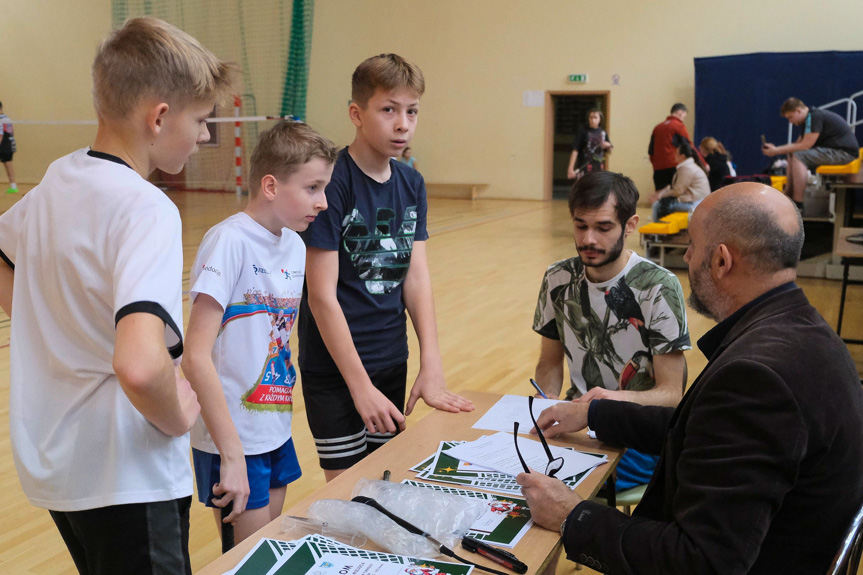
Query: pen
column 499, row 556
column 538, row 388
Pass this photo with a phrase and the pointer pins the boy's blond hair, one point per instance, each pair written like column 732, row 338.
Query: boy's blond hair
column 147, row 57
column 386, row 72
column 285, row 147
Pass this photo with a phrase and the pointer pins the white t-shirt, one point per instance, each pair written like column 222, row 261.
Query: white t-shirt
column 257, row 278
column 91, row 243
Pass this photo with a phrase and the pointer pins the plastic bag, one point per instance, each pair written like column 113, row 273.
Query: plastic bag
column 351, row 516
column 444, row 516
column 299, row 526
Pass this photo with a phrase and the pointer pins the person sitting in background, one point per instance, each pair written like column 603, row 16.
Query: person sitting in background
column 407, row 158
column 688, row 187
column 825, row 139
column 718, row 163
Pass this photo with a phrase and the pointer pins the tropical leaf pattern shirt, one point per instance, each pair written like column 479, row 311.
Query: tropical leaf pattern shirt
column 610, row 331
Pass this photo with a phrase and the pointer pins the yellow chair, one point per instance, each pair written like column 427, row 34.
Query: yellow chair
column 670, row 224
column 661, row 228
column 778, row 182
column 848, row 169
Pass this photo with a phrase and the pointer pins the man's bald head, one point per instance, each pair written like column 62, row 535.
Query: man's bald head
column 759, row 223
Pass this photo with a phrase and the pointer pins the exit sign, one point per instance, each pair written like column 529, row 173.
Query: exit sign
column 578, row 78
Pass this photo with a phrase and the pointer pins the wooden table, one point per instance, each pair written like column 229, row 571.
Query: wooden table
column 420, row 440
column 852, row 255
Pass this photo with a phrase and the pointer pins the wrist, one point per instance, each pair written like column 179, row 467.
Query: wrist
column 360, row 387
column 233, row 454
column 431, row 365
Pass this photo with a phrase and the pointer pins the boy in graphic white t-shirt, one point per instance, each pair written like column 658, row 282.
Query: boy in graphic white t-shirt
column 247, row 281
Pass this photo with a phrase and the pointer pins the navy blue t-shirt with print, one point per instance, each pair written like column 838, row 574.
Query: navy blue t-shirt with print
column 373, row 226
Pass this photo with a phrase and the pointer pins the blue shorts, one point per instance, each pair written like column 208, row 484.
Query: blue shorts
column 266, row 471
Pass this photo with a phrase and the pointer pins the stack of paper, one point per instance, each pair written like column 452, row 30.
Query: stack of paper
column 445, row 468
column 497, row 452
column 318, row 554
column 511, row 408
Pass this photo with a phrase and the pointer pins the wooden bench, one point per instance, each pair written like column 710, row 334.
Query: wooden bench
column 669, row 233
column 454, row 190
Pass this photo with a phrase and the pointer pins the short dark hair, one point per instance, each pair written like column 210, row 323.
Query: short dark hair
column 790, row 105
column 593, row 190
column 596, row 110
column 754, row 232
column 678, row 107
column 684, row 149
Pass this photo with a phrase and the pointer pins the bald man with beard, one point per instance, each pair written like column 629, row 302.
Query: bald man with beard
column 761, row 462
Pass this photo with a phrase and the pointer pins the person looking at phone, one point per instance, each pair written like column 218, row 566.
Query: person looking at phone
column 825, row 140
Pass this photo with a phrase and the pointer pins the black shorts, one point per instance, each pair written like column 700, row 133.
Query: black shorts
column 663, row 178
column 340, row 435
column 6, row 150
column 134, row 539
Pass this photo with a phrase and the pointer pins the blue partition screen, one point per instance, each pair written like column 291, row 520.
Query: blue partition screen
column 737, row 98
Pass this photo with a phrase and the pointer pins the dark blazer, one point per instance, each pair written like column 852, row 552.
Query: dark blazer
column 761, row 466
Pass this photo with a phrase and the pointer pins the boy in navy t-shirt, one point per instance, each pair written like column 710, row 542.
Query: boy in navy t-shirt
column 365, row 266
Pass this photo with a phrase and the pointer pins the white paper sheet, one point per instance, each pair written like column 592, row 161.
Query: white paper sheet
column 511, row 408
column 498, row 452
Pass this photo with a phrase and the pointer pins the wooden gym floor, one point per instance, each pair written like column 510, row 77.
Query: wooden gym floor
column 487, row 259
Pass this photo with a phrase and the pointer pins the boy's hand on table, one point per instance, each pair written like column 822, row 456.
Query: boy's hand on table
column 379, row 413
column 432, row 389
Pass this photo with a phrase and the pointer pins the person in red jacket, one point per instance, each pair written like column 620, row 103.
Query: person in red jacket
column 664, row 141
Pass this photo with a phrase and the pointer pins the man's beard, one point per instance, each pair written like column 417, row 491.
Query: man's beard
column 708, row 292
column 610, row 256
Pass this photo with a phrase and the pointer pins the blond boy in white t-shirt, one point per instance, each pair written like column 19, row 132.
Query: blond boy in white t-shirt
column 99, row 416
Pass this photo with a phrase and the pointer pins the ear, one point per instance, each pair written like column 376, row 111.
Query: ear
column 156, row 117
column 722, row 262
column 631, row 225
column 268, row 187
column 354, row 114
